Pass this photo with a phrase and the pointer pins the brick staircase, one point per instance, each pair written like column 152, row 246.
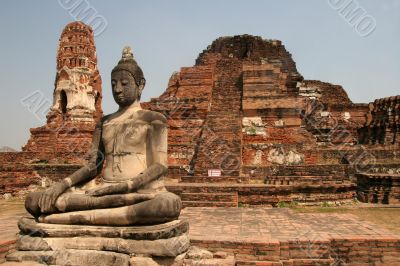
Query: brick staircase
column 210, row 179
column 309, row 175
column 306, row 180
column 197, row 193
column 205, row 195
column 308, row 170
column 219, row 145
column 209, row 199
column 233, row 195
column 303, row 183
column 323, row 182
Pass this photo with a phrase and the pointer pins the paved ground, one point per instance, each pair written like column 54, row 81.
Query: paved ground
column 387, row 217
column 9, row 215
column 245, row 224
column 246, row 230
column 267, row 225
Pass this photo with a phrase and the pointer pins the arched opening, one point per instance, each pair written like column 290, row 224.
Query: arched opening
column 63, row 75
column 63, row 102
column 382, row 135
column 96, row 97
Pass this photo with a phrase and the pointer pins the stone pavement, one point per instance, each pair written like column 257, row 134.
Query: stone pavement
column 279, row 236
column 9, row 227
column 284, row 237
column 8, row 230
column 267, row 224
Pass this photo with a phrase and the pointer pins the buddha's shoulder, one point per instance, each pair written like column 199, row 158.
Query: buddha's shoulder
column 106, row 118
column 147, row 116
column 151, row 116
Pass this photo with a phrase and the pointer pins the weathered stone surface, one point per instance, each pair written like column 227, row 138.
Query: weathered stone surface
column 40, row 242
column 195, row 256
column 229, row 261
column 71, row 257
column 220, row 255
column 142, row 261
column 170, row 247
column 171, row 229
column 26, row 263
column 28, row 243
column 197, row 253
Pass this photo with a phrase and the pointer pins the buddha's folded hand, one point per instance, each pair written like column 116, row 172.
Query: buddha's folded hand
column 119, row 188
column 50, row 195
column 131, row 185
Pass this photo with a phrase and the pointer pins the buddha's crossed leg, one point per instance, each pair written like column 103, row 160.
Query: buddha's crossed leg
column 122, row 209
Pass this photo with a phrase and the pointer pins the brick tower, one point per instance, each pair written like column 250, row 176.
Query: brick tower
column 76, row 98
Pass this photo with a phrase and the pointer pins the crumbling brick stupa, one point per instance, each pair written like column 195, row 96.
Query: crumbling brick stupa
column 246, row 128
column 77, row 96
column 59, row 147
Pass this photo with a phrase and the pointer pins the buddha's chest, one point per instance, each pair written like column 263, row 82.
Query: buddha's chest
column 125, row 137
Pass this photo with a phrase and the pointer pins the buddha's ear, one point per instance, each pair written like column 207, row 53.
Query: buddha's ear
column 140, row 88
column 141, row 85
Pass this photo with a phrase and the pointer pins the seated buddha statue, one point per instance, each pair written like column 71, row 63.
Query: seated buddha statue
column 131, row 145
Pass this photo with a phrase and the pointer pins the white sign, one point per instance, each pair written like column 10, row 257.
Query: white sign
column 214, row 172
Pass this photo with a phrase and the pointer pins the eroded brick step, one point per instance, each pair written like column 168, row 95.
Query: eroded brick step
column 210, row 197
column 311, row 170
column 266, row 191
column 295, row 177
column 224, row 140
column 308, row 262
column 199, row 188
column 303, row 180
column 6, row 247
column 308, row 182
column 208, row 204
column 209, row 179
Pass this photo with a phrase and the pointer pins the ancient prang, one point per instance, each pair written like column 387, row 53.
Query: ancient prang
column 76, row 98
column 60, row 147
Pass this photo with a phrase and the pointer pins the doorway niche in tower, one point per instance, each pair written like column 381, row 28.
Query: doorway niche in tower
column 63, row 104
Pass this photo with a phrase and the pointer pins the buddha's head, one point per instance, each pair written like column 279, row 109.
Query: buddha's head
column 127, row 80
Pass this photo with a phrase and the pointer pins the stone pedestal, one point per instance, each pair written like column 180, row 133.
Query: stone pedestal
column 97, row 245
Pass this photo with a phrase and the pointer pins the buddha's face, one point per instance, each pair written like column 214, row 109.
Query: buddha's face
column 124, row 88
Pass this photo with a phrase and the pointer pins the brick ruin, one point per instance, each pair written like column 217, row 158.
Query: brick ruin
column 59, row 147
column 244, row 112
column 245, row 128
column 76, row 97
